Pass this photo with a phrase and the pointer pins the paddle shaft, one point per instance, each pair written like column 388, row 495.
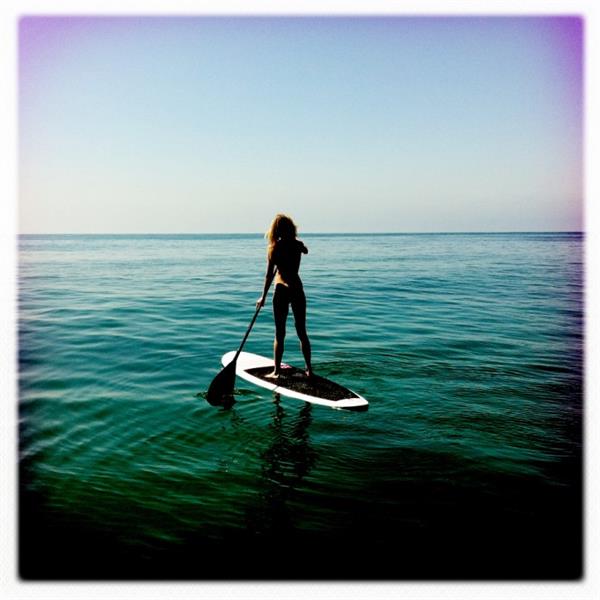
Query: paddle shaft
column 252, row 322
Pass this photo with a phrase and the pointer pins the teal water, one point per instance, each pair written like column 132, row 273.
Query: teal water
column 469, row 348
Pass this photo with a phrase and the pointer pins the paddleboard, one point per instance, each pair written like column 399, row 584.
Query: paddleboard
column 294, row 383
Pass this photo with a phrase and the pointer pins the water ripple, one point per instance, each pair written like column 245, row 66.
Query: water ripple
column 469, row 349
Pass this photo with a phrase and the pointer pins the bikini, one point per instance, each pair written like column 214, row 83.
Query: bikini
column 289, row 295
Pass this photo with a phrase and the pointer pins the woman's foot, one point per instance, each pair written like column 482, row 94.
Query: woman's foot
column 309, row 373
column 273, row 375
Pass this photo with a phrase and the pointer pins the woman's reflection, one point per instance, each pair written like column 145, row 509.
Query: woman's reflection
column 286, row 461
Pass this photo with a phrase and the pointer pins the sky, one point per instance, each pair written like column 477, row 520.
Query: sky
column 358, row 124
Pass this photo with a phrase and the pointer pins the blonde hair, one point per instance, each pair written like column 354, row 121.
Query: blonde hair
column 282, row 227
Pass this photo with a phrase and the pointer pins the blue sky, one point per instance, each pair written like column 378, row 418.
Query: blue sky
column 348, row 124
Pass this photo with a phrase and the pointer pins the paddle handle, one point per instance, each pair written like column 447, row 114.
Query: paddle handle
column 252, row 322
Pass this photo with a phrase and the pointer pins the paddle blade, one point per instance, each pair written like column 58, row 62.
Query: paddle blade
column 220, row 391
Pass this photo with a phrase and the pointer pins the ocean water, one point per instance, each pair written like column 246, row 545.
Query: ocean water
column 467, row 465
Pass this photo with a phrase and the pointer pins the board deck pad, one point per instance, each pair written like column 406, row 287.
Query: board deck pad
column 295, row 379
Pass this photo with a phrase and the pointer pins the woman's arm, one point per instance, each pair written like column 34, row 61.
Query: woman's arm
column 268, row 279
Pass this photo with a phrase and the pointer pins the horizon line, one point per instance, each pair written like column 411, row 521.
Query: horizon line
column 180, row 233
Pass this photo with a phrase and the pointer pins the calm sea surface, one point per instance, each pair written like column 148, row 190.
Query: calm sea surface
column 467, row 464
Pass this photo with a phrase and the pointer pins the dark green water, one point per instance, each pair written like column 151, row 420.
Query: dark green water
column 467, row 464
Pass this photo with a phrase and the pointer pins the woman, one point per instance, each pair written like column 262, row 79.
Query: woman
column 284, row 253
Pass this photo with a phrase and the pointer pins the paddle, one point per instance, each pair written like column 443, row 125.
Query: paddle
column 220, row 391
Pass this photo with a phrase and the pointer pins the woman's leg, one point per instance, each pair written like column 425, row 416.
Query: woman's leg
column 280, row 313
column 299, row 310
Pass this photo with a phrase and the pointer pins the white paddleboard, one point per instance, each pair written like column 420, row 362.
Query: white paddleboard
column 293, row 382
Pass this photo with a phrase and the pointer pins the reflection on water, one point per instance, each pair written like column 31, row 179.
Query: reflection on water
column 285, row 462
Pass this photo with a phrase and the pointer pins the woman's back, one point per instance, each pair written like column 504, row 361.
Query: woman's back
column 286, row 254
